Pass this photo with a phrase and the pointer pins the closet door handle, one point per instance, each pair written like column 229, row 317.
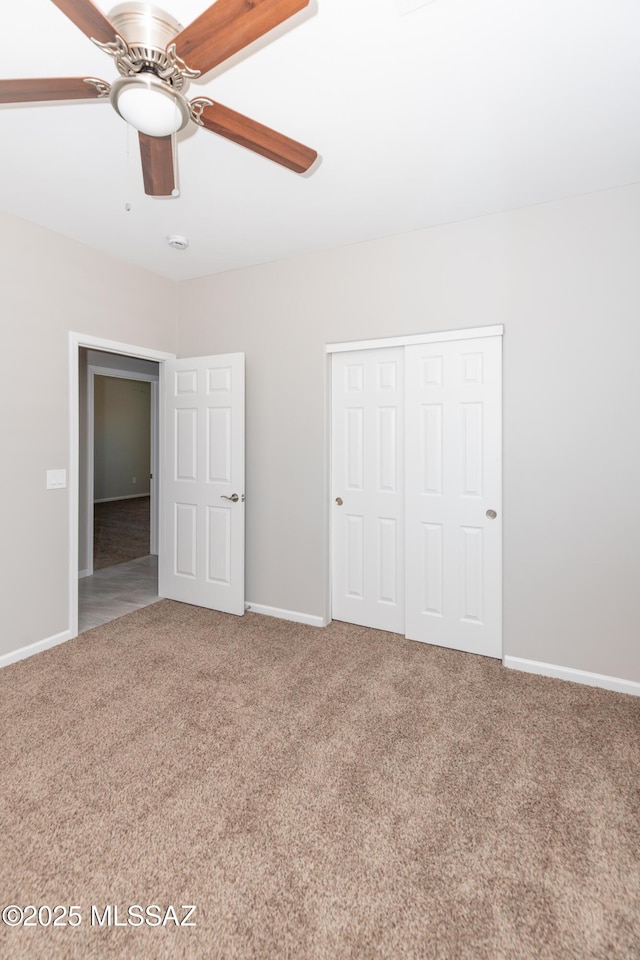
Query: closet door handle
column 234, row 497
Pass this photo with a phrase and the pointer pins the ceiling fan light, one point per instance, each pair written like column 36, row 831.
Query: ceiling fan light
column 149, row 105
column 148, row 112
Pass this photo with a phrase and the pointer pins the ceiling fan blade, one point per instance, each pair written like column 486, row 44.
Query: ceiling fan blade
column 228, row 26
column 54, row 88
column 89, row 19
column 157, row 165
column 263, row 140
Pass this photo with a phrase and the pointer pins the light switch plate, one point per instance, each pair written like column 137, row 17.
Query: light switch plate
column 56, row 479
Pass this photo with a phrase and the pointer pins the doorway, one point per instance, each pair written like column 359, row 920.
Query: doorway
column 117, row 502
column 200, row 480
column 135, row 581
column 118, row 459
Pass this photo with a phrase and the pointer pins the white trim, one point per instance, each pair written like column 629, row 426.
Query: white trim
column 101, row 371
column 113, row 346
column 90, row 468
column 128, row 496
column 154, row 506
column 23, row 652
column 163, row 384
column 472, row 333
column 84, row 573
column 77, row 340
column 631, row 687
column 307, row 618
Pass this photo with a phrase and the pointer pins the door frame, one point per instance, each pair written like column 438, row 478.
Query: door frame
column 76, row 341
column 95, row 370
column 440, row 336
column 464, row 333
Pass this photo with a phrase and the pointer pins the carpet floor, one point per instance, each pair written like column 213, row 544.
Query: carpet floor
column 317, row 794
column 121, row 531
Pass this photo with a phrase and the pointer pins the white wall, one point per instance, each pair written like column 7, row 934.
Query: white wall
column 563, row 278
column 51, row 285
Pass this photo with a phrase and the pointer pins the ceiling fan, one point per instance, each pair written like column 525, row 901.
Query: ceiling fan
column 156, row 59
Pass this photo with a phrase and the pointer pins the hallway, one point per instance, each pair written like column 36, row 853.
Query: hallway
column 116, row 591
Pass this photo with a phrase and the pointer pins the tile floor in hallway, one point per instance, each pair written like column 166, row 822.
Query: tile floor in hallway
column 114, row 591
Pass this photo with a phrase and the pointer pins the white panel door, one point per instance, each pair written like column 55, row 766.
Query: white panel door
column 367, row 494
column 202, row 483
column 453, row 503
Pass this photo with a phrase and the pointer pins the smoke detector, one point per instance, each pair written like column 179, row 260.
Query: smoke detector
column 178, row 242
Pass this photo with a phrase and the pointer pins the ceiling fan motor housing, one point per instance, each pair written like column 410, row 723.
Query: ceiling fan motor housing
column 148, row 31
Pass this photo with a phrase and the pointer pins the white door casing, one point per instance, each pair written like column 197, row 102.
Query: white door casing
column 454, row 456
column 367, row 470
column 75, row 342
column 202, row 482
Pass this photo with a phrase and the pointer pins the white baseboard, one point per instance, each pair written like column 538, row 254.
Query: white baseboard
column 307, row 618
column 84, row 573
column 23, row 652
column 576, row 676
column 129, row 496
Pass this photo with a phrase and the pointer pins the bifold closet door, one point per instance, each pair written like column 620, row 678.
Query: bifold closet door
column 453, row 494
column 368, row 488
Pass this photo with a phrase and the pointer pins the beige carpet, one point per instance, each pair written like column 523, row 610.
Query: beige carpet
column 121, row 531
column 317, row 794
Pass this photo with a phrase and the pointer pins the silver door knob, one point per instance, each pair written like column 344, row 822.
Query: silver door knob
column 339, row 501
column 491, row 514
column 234, row 497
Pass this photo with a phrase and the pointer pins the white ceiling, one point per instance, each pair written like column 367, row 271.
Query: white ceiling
column 453, row 110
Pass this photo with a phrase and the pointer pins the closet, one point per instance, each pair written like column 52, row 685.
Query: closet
column 416, row 487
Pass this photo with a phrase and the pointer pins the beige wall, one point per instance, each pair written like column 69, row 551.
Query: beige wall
column 122, row 438
column 563, row 278
column 50, row 286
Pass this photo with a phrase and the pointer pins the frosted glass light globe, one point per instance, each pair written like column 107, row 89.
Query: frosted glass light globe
column 149, row 105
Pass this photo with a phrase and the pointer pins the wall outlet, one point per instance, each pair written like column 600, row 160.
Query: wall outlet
column 133, row 480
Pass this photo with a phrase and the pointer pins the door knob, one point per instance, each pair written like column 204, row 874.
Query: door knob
column 234, row 497
column 491, row 514
column 339, row 501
